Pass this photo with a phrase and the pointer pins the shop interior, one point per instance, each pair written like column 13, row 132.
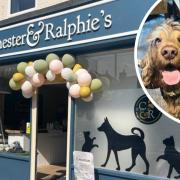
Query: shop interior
column 52, row 131
column 16, row 116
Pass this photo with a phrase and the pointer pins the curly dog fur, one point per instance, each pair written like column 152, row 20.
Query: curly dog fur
column 161, row 64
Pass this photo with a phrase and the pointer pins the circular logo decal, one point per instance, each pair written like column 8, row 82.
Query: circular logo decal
column 145, row 111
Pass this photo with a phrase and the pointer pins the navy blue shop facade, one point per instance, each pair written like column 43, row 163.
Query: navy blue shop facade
column 101, row 35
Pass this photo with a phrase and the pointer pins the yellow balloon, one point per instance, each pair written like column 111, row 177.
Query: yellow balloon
column 77, row 67
column 30, row 63
column 17, row 77
column 85, row 91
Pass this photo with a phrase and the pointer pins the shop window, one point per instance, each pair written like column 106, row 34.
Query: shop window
column 14, row 116
column 21, row 5
column 108, row 126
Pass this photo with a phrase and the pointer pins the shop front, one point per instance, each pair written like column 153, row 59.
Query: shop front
column 101, row 36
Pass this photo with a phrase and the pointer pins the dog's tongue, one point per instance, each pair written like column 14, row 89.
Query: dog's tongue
column 171, row 77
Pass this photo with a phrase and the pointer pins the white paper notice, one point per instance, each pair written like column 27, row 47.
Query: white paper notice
column 83, row 165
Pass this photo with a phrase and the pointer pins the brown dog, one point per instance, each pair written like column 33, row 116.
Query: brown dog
column 161, row 65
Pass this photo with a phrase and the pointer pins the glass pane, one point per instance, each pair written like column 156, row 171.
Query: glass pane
column 14, row 116
column 20, row 5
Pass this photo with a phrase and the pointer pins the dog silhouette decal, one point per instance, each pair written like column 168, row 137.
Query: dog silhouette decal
column 118, row 142
column 88, row 144
column 171, row 155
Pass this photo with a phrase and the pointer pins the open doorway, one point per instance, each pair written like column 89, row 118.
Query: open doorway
column 52, row 132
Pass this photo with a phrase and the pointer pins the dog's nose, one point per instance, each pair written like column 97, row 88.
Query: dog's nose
column 169, row 52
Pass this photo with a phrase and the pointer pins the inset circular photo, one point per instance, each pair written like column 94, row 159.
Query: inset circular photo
column 157, row 56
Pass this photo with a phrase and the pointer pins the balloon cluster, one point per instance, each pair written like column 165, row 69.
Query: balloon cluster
column 32, row 75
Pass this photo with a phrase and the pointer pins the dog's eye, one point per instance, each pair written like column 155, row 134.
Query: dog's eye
column 178, row 39
column 157, row 41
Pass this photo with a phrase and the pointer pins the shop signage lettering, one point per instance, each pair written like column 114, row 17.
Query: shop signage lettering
column 65, row 30
column 94, row 22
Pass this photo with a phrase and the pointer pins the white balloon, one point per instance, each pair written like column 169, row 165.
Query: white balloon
column 84, row 79
column 30, row 71
column 27, row 95
column 78, row 72
column 69, row 84
column 27, row 87
column 89, row 98
column 66, row 73
column 37, row 80
column 56, row 66
column 50, row 76
column 74, row 91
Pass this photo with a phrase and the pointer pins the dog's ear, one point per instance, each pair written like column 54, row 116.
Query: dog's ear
column 149, row 76
column 86, row 132
column 105, row 119
column 147, row 71
column 172, row 138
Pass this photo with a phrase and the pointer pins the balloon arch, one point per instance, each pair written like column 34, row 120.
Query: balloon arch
column 32, row 75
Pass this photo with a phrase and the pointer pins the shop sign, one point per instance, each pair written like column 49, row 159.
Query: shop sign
column 98, row 21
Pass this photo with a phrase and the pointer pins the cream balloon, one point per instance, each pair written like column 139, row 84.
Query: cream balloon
column 50, row 76
column 30, row 71
column 14, row 85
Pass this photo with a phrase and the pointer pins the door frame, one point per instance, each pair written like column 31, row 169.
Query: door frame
column 34, row 126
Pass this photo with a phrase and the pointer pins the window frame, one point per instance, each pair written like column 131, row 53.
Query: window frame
column 20, row 12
